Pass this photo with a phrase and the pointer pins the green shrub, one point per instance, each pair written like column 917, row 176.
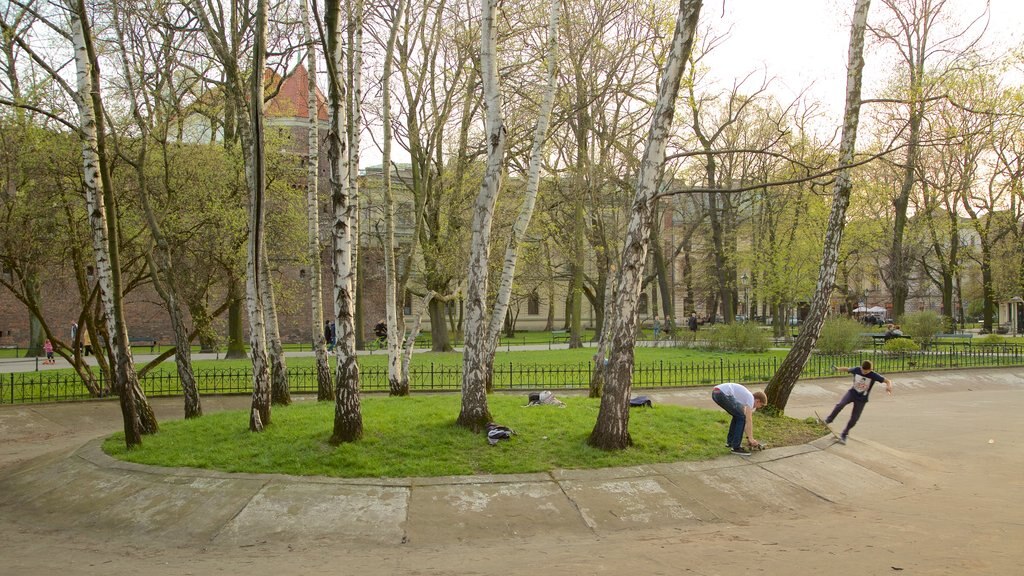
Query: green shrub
column 990, row 340
column 840, row 336
column 737, row 337
column 901, row 345
column 922, row 326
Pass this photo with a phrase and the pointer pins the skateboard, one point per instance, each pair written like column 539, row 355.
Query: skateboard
column 831, row 431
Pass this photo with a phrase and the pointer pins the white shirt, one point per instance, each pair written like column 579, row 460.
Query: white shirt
column 739, row 392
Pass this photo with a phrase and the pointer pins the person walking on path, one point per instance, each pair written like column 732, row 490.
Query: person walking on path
column 864, row 379
column 86, row 342
column 740, row 403
column 657, row 327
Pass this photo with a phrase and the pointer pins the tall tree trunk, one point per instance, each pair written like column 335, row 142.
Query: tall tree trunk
column 348, row 418
column 398, row 380
column 280, row 393
column 899, row 260
column 353, row 128
column 35, row 327
column 782, row 382
column 611, row 431
column 324, row 390
column 136, row 412
column 508, row 272
column 253, row 142
column 988, row 315
column 576, row 293
column 475, row 414
column 661, row 270
column 160, row 261
column 236, row 336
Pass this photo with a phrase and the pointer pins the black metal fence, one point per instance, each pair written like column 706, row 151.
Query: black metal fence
column 28, row 387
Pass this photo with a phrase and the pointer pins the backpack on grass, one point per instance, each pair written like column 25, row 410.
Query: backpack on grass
column 496, row 432
column 641, row 401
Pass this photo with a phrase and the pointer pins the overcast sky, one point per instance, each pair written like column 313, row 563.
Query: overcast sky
column 802, row 44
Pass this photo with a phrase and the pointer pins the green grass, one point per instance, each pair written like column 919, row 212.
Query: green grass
column 416, row 436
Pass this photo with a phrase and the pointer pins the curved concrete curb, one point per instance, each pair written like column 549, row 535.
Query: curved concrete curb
column 88, row 490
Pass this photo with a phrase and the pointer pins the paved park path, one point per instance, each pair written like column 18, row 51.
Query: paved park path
column 929, row 484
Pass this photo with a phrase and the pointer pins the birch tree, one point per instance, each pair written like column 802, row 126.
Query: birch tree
column 244, row 97
column 133, row 52
column 786, row 376
column 135, row 410
column 611, row 431
column 348, row 420
column 324, row 390
column 518, row 231
column 356, row 14
column 475, row 414
column 255, row 171
column 398, row 372
column 437, row 113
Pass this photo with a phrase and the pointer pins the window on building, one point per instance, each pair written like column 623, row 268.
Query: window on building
column 404, row 215
column 642, row 305
column 533, row 304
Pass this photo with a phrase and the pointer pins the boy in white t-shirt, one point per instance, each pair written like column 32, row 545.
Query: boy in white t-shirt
column 740, row 403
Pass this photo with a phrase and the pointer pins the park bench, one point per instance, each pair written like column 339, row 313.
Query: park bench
column 879, row 339
column 143, row 341
column 954, row 339
column 560, row 336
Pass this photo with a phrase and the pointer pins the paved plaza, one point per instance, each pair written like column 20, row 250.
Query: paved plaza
column 927, row 485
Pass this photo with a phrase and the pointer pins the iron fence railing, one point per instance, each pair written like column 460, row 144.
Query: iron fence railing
column 29, row 387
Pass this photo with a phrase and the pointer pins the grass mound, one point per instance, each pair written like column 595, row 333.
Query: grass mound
column 416, row 436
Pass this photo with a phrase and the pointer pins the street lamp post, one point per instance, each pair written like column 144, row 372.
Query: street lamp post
column 746, row 300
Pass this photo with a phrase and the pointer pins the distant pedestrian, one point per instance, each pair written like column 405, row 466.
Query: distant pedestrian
column 864, row 379
column 86, row 342
column 691, row 322
column 657, row 328
column 48, row 348
column 740, row 403
column 74, row 332
column 327, row 334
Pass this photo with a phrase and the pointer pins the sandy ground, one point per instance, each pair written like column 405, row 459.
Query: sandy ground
column 964, row 514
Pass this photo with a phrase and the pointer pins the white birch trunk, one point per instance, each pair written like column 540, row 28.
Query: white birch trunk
column 597, row 378
column 279, row 391
column 612, row 428
column 529, row 200
column 324, row 390
column 410, row 341
column 355, row 115
column 348, row 421
column 398, row 376
column 785, row 378
column 93, row 175
column 475, row 414
column 252, row 141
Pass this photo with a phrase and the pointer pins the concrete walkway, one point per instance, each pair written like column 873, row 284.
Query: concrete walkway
column 918, row 461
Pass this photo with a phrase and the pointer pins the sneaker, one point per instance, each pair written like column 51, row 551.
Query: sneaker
column 842, row 439
column 740, row 451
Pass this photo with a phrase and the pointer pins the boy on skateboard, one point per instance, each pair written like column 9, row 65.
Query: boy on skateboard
column 864, row 379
